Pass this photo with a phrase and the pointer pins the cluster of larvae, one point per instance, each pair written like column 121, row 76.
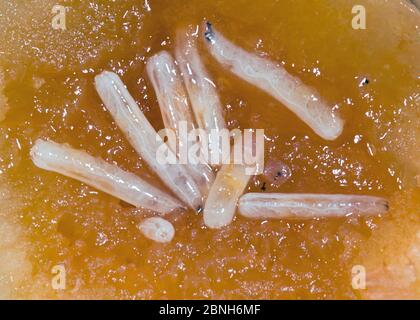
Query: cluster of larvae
column 186, row 93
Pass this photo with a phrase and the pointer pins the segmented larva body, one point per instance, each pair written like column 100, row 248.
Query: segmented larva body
column 273, row 78
column 176, row 111
column 307, row 206
column 202, row 92
column 231, row 182
column 145, row 139
column 101, row 175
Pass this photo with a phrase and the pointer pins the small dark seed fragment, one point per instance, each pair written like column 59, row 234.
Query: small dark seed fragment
column 364, row 82
column 263, row 188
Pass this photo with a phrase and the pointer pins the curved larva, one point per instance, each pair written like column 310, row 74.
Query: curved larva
column 272, row 78
column 144, row 138
column 175, row 109
column 157, row 229
column 101, row 175
column 307, row 206
column 201, row 90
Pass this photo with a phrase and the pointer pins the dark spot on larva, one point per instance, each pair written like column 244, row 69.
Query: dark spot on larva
column 199, row 209
column 209, row 33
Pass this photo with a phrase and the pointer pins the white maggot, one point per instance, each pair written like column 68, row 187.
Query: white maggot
column 170, row 92
column 101, row 175
column 157, row 229
column 308, row 206
column 201, row 89
column 145, row 139
column 273, row 78
column 221, row 203
column 175, row 109
column 231, row 182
